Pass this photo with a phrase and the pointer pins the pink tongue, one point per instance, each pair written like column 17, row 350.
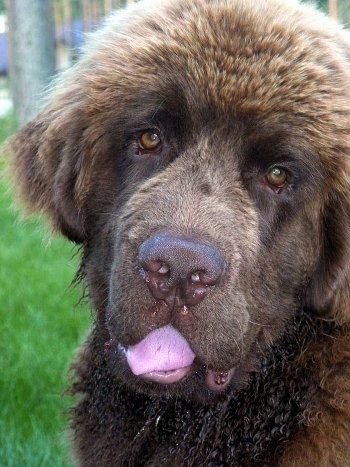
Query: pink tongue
column 163, row 349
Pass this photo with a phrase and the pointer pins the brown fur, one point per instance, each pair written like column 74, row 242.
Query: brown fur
column 235, row 87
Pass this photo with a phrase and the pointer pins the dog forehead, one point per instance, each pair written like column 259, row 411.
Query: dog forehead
column 236, row 56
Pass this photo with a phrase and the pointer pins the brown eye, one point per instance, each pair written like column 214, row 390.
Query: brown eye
column 150, row 140
column 277, row 177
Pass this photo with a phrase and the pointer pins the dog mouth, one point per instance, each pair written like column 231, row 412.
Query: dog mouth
column 165, row 357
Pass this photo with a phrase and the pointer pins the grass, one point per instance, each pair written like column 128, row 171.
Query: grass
column 41, row 326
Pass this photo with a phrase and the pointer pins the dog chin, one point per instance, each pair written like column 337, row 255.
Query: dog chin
column 192, row 388
column 194, row 382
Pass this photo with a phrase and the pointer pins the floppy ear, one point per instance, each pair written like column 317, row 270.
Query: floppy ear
column 47, row 163
column 329, row 290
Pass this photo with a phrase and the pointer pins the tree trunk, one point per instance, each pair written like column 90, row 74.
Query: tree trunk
column 31, row 52
column 333, row 8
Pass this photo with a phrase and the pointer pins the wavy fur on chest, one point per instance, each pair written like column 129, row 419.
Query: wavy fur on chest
column 242, row 429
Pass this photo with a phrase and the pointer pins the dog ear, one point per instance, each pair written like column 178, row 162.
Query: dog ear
column 48, row 167
column 329, row 290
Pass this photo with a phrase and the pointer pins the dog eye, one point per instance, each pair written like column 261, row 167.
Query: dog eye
column 277, row 177
column 150, row 140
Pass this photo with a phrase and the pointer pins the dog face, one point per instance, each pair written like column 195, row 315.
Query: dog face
column 200, row 152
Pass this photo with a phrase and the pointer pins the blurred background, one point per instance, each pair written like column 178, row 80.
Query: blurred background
column 42, row 316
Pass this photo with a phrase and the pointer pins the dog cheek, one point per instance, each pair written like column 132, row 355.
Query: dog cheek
column 220, row 328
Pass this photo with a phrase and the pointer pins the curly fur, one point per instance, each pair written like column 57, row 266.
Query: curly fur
column 245, row 428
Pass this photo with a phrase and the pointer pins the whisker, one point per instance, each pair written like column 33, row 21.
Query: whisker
column 259, row 324
column 240, row 349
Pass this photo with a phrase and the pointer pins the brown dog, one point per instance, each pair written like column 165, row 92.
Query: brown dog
column 200, row 152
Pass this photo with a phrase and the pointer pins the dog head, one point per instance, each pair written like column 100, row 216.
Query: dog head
column 200, row 152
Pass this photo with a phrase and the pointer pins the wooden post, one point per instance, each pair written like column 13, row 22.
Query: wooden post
column 333, row 8
column 108, row 5
column 31, row 52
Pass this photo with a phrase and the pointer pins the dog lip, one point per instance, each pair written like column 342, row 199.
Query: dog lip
column 215, row 380
column 167, row 377
column 218, row 380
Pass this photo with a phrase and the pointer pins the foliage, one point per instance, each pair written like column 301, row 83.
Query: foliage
column 324, row 4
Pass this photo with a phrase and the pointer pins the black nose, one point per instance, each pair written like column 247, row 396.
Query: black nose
column 175, row 266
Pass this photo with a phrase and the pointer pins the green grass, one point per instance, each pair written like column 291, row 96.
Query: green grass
column 40, row 327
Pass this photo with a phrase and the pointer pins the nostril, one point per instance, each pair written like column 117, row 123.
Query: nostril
column 164, row 269
column 195, row 277
column 156, row 281
column 203, row 278
column 154, row 271
column 156, row 266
